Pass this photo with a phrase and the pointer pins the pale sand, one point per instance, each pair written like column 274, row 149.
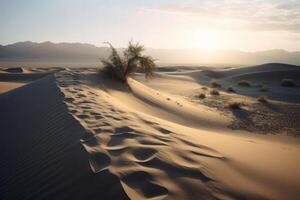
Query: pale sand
column 6, row 86
column 77, row 135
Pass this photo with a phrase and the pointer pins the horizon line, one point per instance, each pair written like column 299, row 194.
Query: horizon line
column 162, row 48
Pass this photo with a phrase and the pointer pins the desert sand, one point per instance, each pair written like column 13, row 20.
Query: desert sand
column 77, row 134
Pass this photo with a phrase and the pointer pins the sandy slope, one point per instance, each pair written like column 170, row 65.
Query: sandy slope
column 281, row 114
column 6, row 86
column 90, row 138
column 40, row 150
column 11, row 78
column 266, row 76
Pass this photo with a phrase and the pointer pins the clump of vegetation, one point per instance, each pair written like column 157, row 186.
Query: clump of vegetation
column 122, row 66
column 214, row 92
column 244, row 83
column 230, row 89
column 235, row 105
column 204, row 88
column 202, row 96
column 286, row 82
column 215, row 84
column 262, row 99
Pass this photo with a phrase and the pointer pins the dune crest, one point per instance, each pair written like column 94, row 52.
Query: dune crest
column 139, row 149
column 156, row 156
column 76, row 134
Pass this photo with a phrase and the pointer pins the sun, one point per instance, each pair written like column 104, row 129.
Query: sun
column 206, row 39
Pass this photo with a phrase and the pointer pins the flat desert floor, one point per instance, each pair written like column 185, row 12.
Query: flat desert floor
column 189, row 133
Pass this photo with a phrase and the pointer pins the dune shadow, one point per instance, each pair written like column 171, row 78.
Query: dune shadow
column 242, row 120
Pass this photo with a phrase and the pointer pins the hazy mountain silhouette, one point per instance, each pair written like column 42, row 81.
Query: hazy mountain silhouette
column 51, row 50
column 73, row 53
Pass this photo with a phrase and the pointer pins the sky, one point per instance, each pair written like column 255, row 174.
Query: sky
column 248, row 25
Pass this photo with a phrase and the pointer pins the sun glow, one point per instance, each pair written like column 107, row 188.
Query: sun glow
column 206, row 39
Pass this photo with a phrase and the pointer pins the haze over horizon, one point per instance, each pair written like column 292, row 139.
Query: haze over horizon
column 235, row 24
column 103, row 45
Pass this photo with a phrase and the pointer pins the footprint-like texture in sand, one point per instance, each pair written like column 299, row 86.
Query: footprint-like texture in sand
column 143, row 183
column 119, row 143
column 157, row 155
column 144, row 154
column 99, row 161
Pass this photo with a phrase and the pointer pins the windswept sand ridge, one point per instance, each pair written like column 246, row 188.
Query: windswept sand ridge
column 165, row 106
column 156, row 158
column 41, row 156
column 77, row 135
column 11, row 78
column 267, row 76
column 269, row 67
column 270, row 81
column 6, row 86
column 271, row 117
column 202, row 75
column 23, row 77
column 139, row 151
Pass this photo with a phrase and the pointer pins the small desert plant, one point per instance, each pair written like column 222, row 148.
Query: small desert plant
column 214, row 84
column 286, row 82
column 262, row 99
column 121, row 67
column 214, row 92
column 204, row 88
column 202, row 96
column 235, row 105
column 230, row 89
column 244, row 83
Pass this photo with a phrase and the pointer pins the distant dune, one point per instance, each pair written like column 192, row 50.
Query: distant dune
column 78, row 54
column 74, row 133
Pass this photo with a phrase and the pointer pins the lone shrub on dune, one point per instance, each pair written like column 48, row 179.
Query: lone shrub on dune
column 235, row 105
column 287, row 82
column 202, row 96
column 215, row 84
column 214, row 92
column 262, row 99
column 122, row 66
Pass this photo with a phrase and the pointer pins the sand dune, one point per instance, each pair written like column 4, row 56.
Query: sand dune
column 267, row 76
column 73, row 134
column 40, row 149
column 6, row 86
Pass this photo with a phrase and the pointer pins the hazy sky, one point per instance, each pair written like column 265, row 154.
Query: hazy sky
column 230, row 24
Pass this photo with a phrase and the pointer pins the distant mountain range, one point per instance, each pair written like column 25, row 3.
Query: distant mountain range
column 27, row 53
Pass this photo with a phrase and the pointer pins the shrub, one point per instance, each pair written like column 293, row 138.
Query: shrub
column 202, row 96
column 230, row 89
column 204, row 88
column 244, row 83
column 234, row 105
column 121, row 67
column 262, row 99
column 214, row 84
column 286, row 82
column 214, row 92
